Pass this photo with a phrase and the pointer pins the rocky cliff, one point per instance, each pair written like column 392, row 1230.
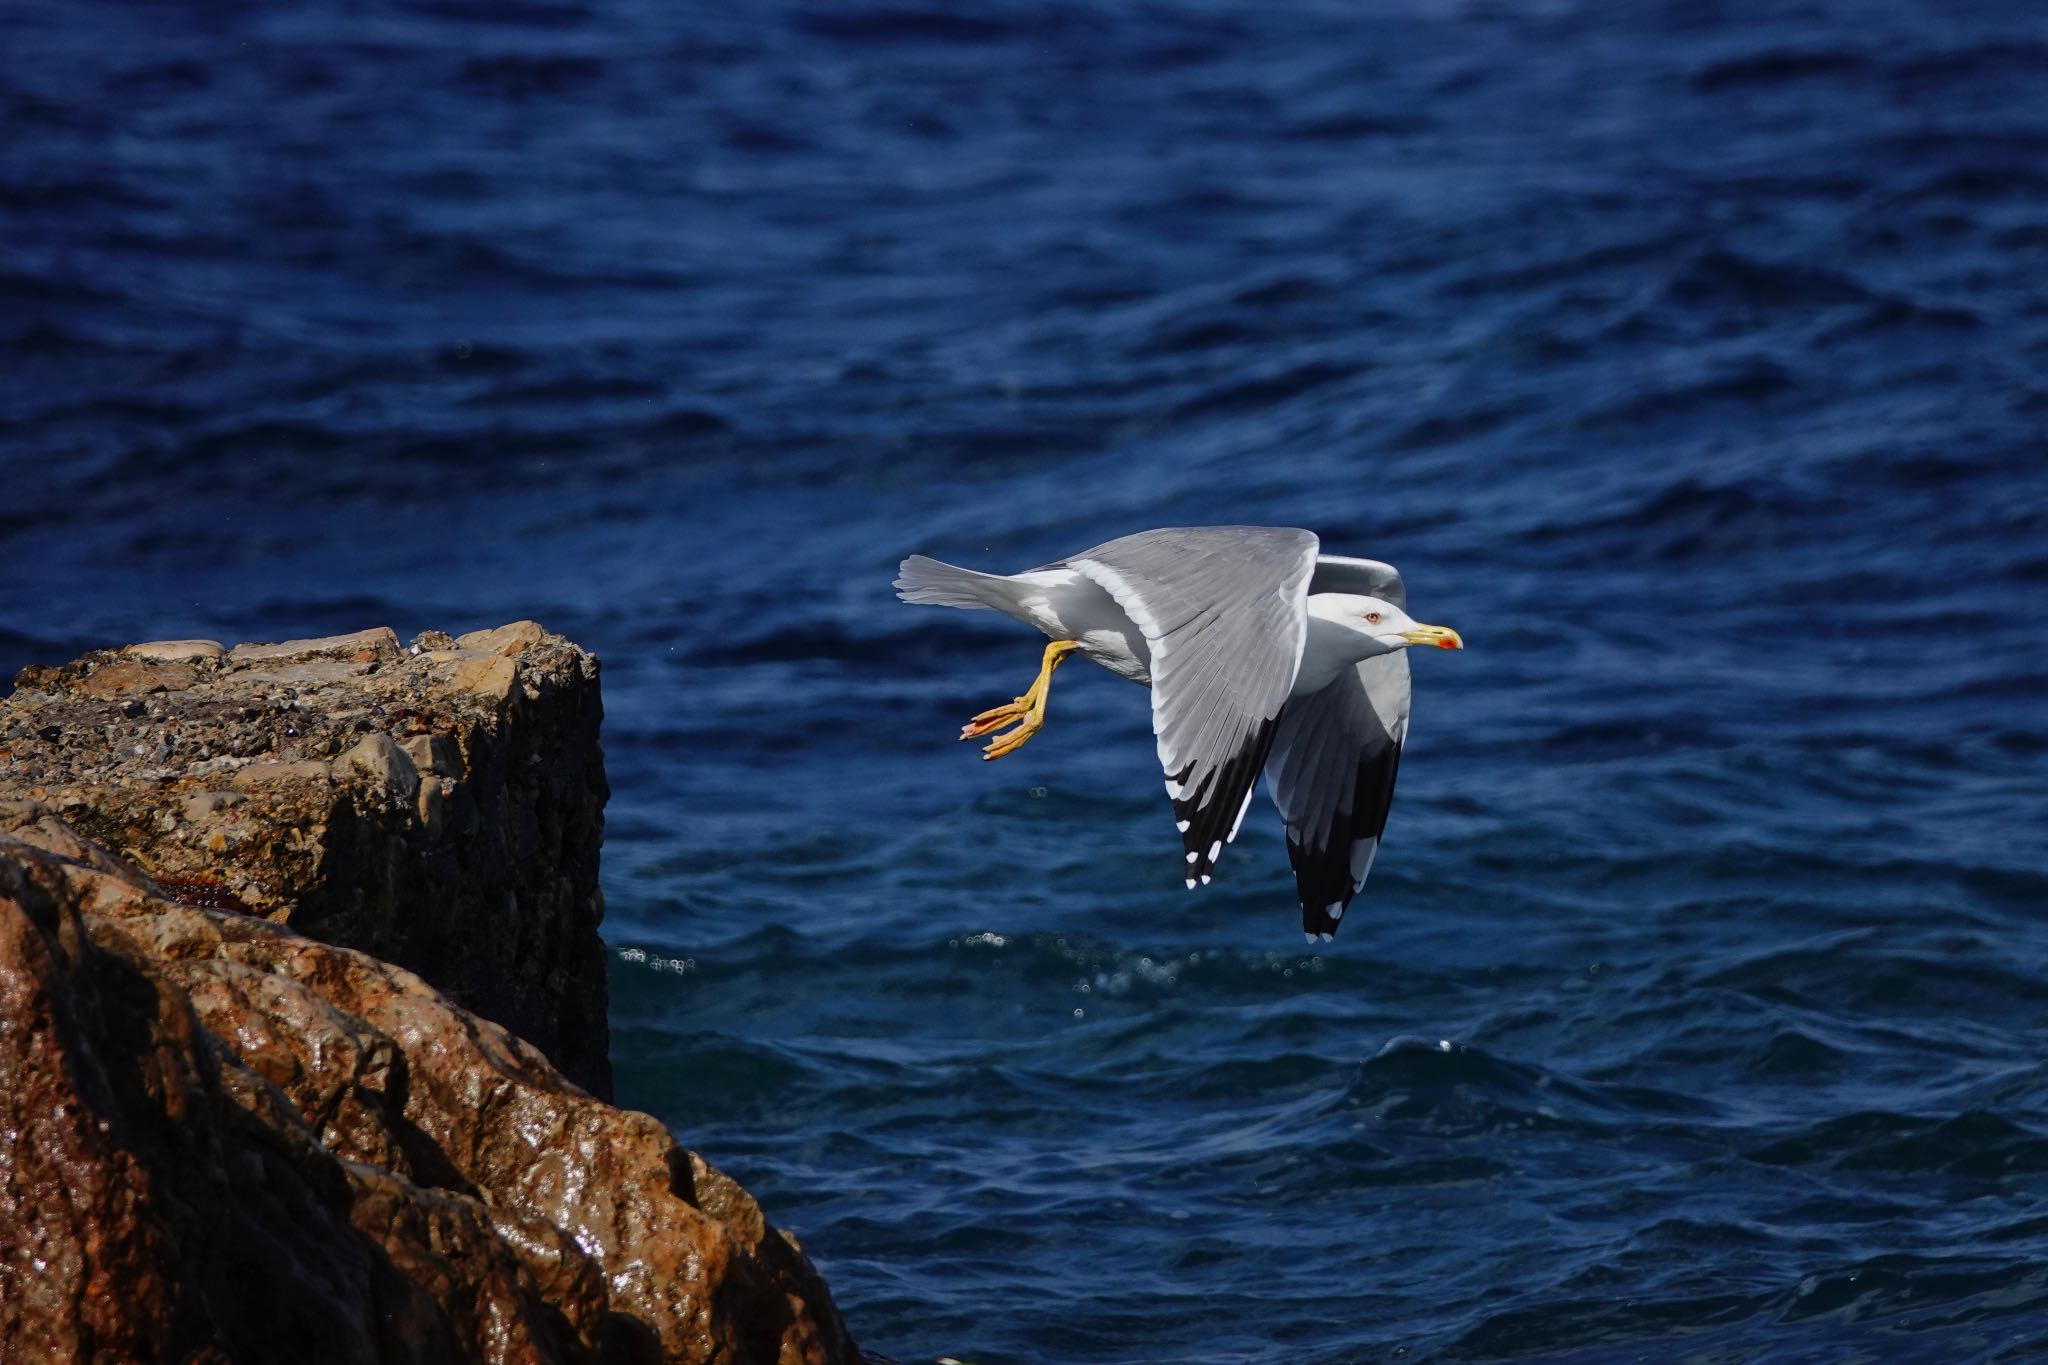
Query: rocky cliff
column 438, row 806
column 226, row 1134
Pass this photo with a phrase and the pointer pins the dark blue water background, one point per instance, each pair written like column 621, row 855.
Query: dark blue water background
column 1687, row 356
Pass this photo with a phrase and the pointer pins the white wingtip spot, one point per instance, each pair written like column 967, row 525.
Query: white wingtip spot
column 1175, row 789
column 1327, row 938
column 1308, row 938
column 1335, row 909
column 1193, row 857
column 1205, row 879
column 1191, row 883
column 1182, row 826
column 1214, row 849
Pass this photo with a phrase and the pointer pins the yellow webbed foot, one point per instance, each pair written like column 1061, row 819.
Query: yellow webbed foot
column 1025, row 713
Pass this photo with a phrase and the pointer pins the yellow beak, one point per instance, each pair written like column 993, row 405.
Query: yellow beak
column 1443, row 637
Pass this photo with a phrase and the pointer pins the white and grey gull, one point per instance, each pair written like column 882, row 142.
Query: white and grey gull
column 1262, row 653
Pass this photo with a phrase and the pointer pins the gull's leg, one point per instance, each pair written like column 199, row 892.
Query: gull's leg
column 1010, row 712
column 1026, row 713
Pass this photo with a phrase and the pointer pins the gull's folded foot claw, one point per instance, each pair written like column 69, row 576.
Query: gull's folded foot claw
column 995, row 718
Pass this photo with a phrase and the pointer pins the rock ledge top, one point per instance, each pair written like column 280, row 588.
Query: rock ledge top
column 440, row 805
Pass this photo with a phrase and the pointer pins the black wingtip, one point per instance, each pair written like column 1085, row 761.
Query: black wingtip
column 1320, row 922
column 1208, row 817
column 1323, row 884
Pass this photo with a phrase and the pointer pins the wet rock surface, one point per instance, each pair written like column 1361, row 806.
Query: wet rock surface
column 221, row 1140
column 438, row 805
column 259, row 910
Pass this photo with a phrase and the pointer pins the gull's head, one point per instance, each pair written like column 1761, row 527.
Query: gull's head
column 1385, row 624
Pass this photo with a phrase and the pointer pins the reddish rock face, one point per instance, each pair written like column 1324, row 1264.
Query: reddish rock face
column 223, row 1141
column 439, row 805
column 150, row 1207
column 226, row 1135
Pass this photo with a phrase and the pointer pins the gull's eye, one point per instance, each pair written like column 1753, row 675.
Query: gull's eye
column 1372, row 618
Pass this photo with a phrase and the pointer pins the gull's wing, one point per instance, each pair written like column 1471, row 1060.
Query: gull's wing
column 1221, row 608
column 1364, row 577
column 1332, row 771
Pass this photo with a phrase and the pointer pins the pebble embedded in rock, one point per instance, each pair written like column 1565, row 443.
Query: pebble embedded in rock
column 176, row 651
column 379, row 758
column 516, row 638
column 361, row 647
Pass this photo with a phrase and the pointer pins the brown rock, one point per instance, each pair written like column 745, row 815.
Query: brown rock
column 145, row 1213
column 256, row 776
column 437, row 754
column 365, row 646
column 487, row 676
column 125, row 676
column 293, row 780
column 223, row 1141
column 379, row 759
column 176, row 651
column 516, row 638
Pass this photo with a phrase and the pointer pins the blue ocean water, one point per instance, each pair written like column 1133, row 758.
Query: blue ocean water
column 1687, row 356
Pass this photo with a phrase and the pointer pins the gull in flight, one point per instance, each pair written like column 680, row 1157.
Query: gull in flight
column 1261, row 653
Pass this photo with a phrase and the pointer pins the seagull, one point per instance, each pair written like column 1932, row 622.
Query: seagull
column 1261, row 652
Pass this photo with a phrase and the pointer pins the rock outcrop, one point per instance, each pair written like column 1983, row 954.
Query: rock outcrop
column 224, row 1140
column 438, row 806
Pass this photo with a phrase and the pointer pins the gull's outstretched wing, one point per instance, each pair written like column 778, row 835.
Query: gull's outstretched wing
column 1332, row 771
column 1222, row 609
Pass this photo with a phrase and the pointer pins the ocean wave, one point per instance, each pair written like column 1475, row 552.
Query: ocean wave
column 1683, row 359
column 1974, row 1144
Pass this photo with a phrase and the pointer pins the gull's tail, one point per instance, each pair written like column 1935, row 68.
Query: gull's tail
column 936, row 583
